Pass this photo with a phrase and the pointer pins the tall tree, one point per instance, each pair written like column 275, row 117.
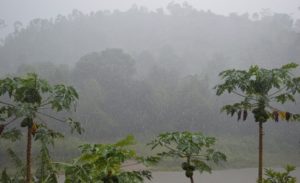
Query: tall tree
column 23, row 100
column 260, row 89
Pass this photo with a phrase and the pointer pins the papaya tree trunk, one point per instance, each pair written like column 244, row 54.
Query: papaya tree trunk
column 189, row 163
column 28, row 155
column 192, row 179
column 260, row 153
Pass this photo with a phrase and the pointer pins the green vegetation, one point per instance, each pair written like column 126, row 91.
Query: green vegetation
column 167, row 79
column 259, row 89
column 280, row 177
column 23, row 100
column 105, row 163
column 145, row 83
column 194, row 149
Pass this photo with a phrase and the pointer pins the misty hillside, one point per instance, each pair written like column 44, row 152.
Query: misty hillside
column 181, row 36
column 144, row 72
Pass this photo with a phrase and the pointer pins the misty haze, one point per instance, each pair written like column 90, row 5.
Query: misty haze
column 149, row 91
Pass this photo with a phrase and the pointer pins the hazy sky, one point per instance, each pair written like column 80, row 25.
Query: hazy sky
column 25, row 10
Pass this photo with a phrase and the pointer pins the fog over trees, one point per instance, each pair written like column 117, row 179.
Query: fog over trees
column 144, row 72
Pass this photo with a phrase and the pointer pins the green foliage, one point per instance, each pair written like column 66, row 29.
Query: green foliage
column 63, row 97
column 280, row 177
column 259, row 81
column 28, row 96
column 46, row 171
column 4, row 177
column 103, row 163
column 194, row 148
column 16, row 160
column 19, row 174
column 134, row 176
column 260, row 87
column 12, row 135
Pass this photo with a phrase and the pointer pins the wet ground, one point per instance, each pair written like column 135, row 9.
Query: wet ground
column 245, row 175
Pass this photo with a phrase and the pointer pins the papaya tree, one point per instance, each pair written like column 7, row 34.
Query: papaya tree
column 260, row 89
column 24, row 101
column 194, row 149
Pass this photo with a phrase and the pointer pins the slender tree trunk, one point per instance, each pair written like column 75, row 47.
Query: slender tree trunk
column 260, row 153
column 189, row 163
column 192, row 179
column 28, row 155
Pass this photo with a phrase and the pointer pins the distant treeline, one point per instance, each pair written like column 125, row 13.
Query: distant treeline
column 144, row 72
column 115, row 101
column 182, row 37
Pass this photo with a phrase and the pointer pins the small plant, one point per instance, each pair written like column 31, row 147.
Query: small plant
column 46, row 172
column 19, row 175
column 193, row 148
column 103, row 163
column 280, row 177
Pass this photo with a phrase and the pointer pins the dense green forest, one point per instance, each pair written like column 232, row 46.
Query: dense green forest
column 145, row 72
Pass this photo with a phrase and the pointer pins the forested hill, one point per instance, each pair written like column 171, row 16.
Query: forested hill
column 161, row 76
column 180, row 36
